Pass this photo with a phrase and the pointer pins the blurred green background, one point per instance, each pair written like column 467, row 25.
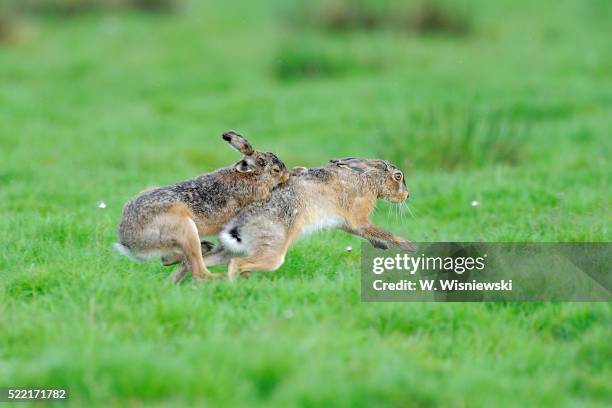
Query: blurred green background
column 499, row 112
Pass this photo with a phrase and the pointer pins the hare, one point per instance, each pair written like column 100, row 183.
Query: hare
column 340, row 195
column 168, row 221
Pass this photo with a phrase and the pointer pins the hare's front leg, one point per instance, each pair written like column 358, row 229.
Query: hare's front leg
column 218, row 256
column 169, row 260
column 185, row 267
column 263, row 262
column 180, row 273
column 381, row 238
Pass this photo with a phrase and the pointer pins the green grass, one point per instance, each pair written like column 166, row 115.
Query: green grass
column 516, row 115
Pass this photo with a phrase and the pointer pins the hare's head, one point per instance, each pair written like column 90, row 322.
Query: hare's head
column 386, row 180
column 265, row 165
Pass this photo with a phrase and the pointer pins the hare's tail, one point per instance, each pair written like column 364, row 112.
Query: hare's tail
column 123, row 250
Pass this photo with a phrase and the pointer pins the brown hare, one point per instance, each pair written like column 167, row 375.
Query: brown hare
column 168, row 221
column 340, row 195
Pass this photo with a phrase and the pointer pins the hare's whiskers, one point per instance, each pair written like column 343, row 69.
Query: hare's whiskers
column 410, row 211
column 414, row 208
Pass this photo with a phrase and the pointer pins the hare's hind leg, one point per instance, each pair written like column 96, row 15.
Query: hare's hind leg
column 189, row 242
column 266, row 261
column 181, row 231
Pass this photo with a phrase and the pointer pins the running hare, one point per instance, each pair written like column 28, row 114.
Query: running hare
column 168, row 221
column 340, row 195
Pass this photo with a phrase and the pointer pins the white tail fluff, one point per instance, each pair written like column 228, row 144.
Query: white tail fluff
column 123, row 250
column 141, row 256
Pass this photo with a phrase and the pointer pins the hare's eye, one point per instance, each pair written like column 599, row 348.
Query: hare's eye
column 275, row 170
column 397, row 175
column 261, row 162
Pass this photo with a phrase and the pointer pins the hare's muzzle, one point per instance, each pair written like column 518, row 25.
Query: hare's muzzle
column 401, row 196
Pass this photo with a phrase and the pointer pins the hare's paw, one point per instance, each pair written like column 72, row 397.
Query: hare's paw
column 407, row 246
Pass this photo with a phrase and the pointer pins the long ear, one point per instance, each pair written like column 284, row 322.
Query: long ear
column 296, row 171
column 238, row 142
column 356, row 164
column 382, row 165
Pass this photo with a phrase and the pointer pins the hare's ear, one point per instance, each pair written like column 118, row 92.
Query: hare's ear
column 382, row 165
column 238, row 142
column 296, row 171
column 353, row 163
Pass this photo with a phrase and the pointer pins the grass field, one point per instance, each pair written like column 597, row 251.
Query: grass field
column 514, row 113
